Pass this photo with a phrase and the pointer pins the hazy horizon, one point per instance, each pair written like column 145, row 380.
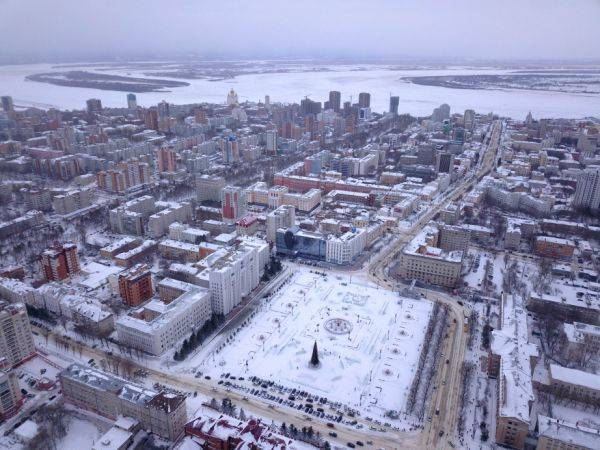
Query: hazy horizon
column 351, row 30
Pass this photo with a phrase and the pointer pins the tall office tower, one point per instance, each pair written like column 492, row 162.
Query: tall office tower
column 7, row 104
column 94, row 105
column 587, row 193
column 166, row 160
column 469, row 119
column 335, row 99
column 364, row 100
column 267, row 101
column 394, row 103
column 135, row 285
column 60, row 261
column 131, row 101
column 16, row 341
column 233, row 203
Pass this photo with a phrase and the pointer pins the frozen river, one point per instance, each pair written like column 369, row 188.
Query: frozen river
column 293, row 86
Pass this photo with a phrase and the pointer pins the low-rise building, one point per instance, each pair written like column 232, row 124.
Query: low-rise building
column 553, row 247
column 110, row 396
column 557, row 434
column 584, row 308
column 119, row 246
column 422, row 259
column 574, row 384
column 94, row 319
column 512, row 359
column 136, row 254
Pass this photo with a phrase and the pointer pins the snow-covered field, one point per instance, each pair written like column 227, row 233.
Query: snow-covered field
column 370, row 366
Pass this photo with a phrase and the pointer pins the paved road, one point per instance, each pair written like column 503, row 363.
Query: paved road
column 447, row 395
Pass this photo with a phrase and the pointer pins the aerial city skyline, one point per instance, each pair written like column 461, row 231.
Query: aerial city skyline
column 295, row 226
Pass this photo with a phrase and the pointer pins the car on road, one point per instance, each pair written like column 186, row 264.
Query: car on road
column 351, row 445
column 360, row 443
column 330, row 425
column 332, row 434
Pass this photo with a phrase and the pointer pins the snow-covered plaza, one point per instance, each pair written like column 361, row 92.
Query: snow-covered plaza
column 368, row 339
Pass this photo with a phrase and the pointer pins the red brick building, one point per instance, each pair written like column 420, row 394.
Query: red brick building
column 60, row 262
column 135, row 285
column 231, row 434
column 166, row 160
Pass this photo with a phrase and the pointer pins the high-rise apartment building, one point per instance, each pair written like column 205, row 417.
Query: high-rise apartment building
column 233, row 203
column 364, row 100
column 209, row 188
column 135, row 285
column 282, row 217
column 60, row 261
column 166, row 160
column 72, row 201
column 94, row 105
column 587, row 193
column 271, row 144
column 11, row 398
column 335, row 100
column 16, row 341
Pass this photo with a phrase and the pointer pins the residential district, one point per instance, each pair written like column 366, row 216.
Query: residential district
column 258, row 275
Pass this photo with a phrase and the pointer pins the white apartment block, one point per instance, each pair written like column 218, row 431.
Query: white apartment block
column 343, row 249
column 283, row 217
column 157, row 326
column 16, row 291
column 587, row 193
column 16, row 341
column 72, row 201
column 181, row 232
column 232, row 275
column 209, row 187
column 158, row 223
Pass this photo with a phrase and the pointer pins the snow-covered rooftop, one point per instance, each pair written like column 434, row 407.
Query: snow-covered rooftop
column 510, row 342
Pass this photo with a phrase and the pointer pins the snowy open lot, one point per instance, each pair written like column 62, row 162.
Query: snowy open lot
column 367, row 358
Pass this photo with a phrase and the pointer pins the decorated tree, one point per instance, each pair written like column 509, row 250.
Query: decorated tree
column 314, row 360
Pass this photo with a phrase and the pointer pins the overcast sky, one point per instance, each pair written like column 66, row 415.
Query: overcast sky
column 442, row 29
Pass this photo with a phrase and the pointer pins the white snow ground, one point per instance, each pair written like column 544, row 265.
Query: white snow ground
column 371, row 367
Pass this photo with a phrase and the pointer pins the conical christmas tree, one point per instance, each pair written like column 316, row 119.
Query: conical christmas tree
column 314, row 360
